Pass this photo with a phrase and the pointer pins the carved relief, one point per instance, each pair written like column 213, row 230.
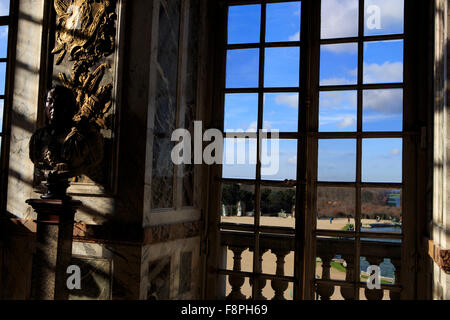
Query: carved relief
column 85, row 38
column 440, row 256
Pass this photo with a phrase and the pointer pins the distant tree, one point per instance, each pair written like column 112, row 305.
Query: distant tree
column 265, row 200
column 366, row 196
column 230, row 194
column 247, row 198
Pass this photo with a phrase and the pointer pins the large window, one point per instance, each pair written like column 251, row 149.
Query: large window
column 326, row 79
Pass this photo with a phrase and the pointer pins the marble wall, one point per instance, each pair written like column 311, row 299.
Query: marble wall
column 112, row 270
column 165, row 103
column 123, row 251
column 170, row 270
column 25, row 103
column 441, row 148
column 17, row 254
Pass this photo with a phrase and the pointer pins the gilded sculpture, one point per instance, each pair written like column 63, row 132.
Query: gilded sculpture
column 77, row 110
column 86, row 33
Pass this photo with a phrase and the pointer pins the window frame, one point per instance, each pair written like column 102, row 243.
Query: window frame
column 308, row 136
column 11, row 21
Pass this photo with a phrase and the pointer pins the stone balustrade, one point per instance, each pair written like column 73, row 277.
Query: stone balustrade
column 327, row 249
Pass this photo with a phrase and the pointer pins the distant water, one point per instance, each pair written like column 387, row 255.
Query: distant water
column 386, row 267
column 387, row 229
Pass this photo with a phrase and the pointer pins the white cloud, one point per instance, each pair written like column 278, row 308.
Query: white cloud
column 290, row 100
column 395, row 152
column 4, row 8
column 339, row 18
column 253, row 127
column 336, row 81
column 295, row 37
column 384, row 101
column 267, row 125
column 351, row 48
column 386, row 72
column 346, row 122
column 391, row 12
column 4, row 33
column 338, row 100
column 293, row 160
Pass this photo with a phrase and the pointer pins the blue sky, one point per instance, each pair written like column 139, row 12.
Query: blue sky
column 382, row 109
column 4, row 10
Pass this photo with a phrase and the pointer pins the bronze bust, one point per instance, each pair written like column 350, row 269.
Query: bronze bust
column 64, row 148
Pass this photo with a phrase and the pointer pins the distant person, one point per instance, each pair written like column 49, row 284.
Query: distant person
column 331, row 220
column 348, row 219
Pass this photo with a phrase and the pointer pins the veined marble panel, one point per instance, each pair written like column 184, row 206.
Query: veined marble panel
column 96, row 283
column 113, row 271
column 174, row 254
column 165, row 103
column 24, row 106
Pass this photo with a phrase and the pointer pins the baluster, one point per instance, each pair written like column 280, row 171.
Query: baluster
column 325, row 291
column 279, row 286
column 349, row 292
column 397, row 264
column 236, row 281
column 261, row 281
column 374, row 294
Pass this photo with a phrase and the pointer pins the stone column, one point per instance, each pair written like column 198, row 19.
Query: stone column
column 325, row 291
column 279, row 286
column 236, row 281
column 53, row 251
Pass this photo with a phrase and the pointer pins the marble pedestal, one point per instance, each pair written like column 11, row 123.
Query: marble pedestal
column 53, row 252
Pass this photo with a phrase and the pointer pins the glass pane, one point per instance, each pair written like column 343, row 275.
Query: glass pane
column 3, row 41
column 382, row 160
column 383, row 110
column 241, row 112
column 280, row 112
column 2, row 103
column 244, row 24
column 282, row 67
column 2, row 77
column 238, row 203
column 336, row 208
column 4, row 7
column 387, row 270
column 338, row 64
column 383, row 61
column 339, row 18
column 335, row 261
column 283, row 21
column 273, row 246
column 383, row 17
column 381, row 210
column 337, row 111
column 384, row 255
column 337, row 160
column 278, row 159
column 242, row 68
column 162, row 174
column 239, row 158
column 278, row 207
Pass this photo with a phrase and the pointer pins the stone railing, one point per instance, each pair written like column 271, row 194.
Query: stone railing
column 327, row 249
